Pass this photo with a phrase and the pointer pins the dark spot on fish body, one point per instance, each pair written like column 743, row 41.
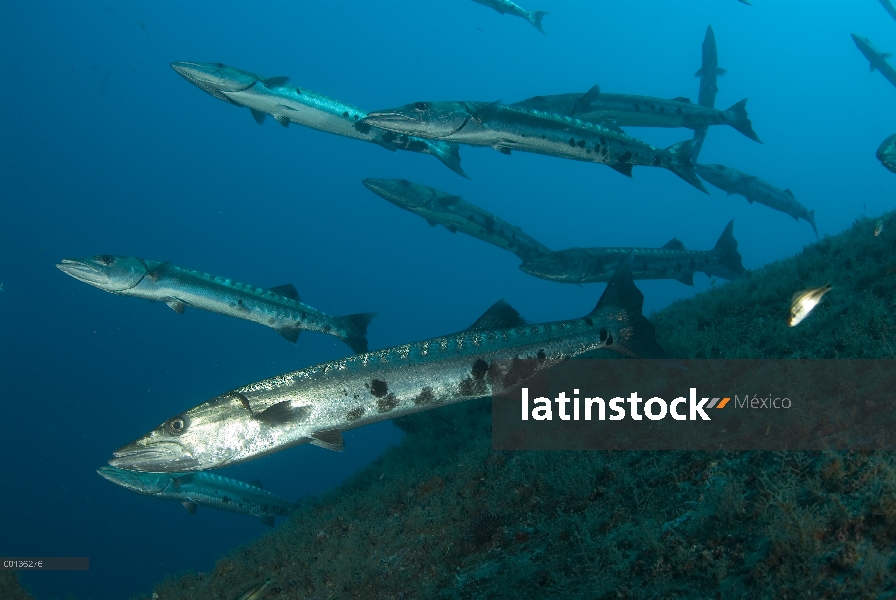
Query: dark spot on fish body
column 472, row 387
column 678, row 110
column 588, row 321
column 386, row 404
column 355, row 414
column 425, row 396
column 362, row 127
column 625, row 156
column 225, row 500
column 662, row 109
column 355, row 117
column 416, row 145
column 541, row 356
column 637, row 108
column 326, row 329
column 304, row 315
column 572, row 142
column 389, row 137
column 480, row 369
column 345, row 114
column 379, row 388
column 489, row 225
column 657, row 162
column 581, row 143
column 603, row 334
column 520, row 370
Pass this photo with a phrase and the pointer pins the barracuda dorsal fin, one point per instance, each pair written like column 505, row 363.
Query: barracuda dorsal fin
column 258, row 115
column 190, row 506
column 499, row 316
column 674, row 244
column 178, row 306
column 592, row 94
column 287, row 289
column 789, row 193
column 488, row 111
column 275, row 82
column 256, row 483
column 330, row 439
column 282, row 412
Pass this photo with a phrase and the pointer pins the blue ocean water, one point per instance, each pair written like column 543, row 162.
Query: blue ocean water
column 106, row 150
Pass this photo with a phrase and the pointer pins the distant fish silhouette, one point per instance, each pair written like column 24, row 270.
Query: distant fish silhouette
column 143, row 26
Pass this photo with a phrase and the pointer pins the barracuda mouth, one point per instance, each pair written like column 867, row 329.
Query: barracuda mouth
column 138, row 482
column 158, row 457
column 209, row 79
column 82, row 271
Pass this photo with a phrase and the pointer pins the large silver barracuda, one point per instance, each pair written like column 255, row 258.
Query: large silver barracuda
column 289, row 104
column 888, row 6
column 754, row 189
column 278, row 308
column 506, row 128
column 876, row 58
column 456, row 214
column 203, row 489
column 672, row 261
column 626, row 110
column 315, row 405
column 508, row 7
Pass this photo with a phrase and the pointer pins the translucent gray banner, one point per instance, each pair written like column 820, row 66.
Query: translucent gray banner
column 698, row 405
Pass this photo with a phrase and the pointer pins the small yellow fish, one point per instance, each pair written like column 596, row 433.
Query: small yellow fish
column 803, row 303
column 257, row 591
column 878, row 227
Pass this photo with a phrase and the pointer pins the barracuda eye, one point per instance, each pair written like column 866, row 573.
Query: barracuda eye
column 177, row 425
column 105, row 259
column 421, row 106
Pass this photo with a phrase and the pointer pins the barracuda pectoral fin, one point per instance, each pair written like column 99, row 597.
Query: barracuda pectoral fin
column 190, row 506
column 330, row 439
column 674, row 244
column 289, row 332
column 590, row 96
column 500, row 315
column 288, row 290
column 178, row 306
column 489, row 111
column 258, row 115
column 503, row 149
column 282, row 412
column 275, row 82
column 449, row 200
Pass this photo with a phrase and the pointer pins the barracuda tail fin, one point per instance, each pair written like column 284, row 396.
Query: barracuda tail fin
column 810, row 217
column 681, row 163
column 737, row 118
column 355, row 327
column 625, row 301
column 729, row 263
column 449, row 154
column 535, row 18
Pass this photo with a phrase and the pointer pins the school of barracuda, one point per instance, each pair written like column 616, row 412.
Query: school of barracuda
column 315, row 405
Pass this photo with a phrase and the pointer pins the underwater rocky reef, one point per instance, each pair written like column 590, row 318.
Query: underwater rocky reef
column 443, row 516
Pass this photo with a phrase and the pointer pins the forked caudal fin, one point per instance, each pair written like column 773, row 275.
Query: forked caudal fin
column 682, row 166
column 729, row 263
column 811, row 218
column 535, row 18
column 625, row 301
column 355, row 327
column 737, row 118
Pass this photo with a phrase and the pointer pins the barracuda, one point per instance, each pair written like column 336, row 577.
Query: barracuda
column 456, row 214
column 672, row 261
column 315, row 405
column 290, row 104
column 508, row 7
column 876, row 58
column 626, row 110
column 754, row 189
column 278, row 308
column 709, row 74
column 507, row 128
column 203, row 489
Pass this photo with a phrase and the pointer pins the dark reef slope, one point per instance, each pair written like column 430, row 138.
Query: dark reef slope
column 10, row 588
column 443, row 516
